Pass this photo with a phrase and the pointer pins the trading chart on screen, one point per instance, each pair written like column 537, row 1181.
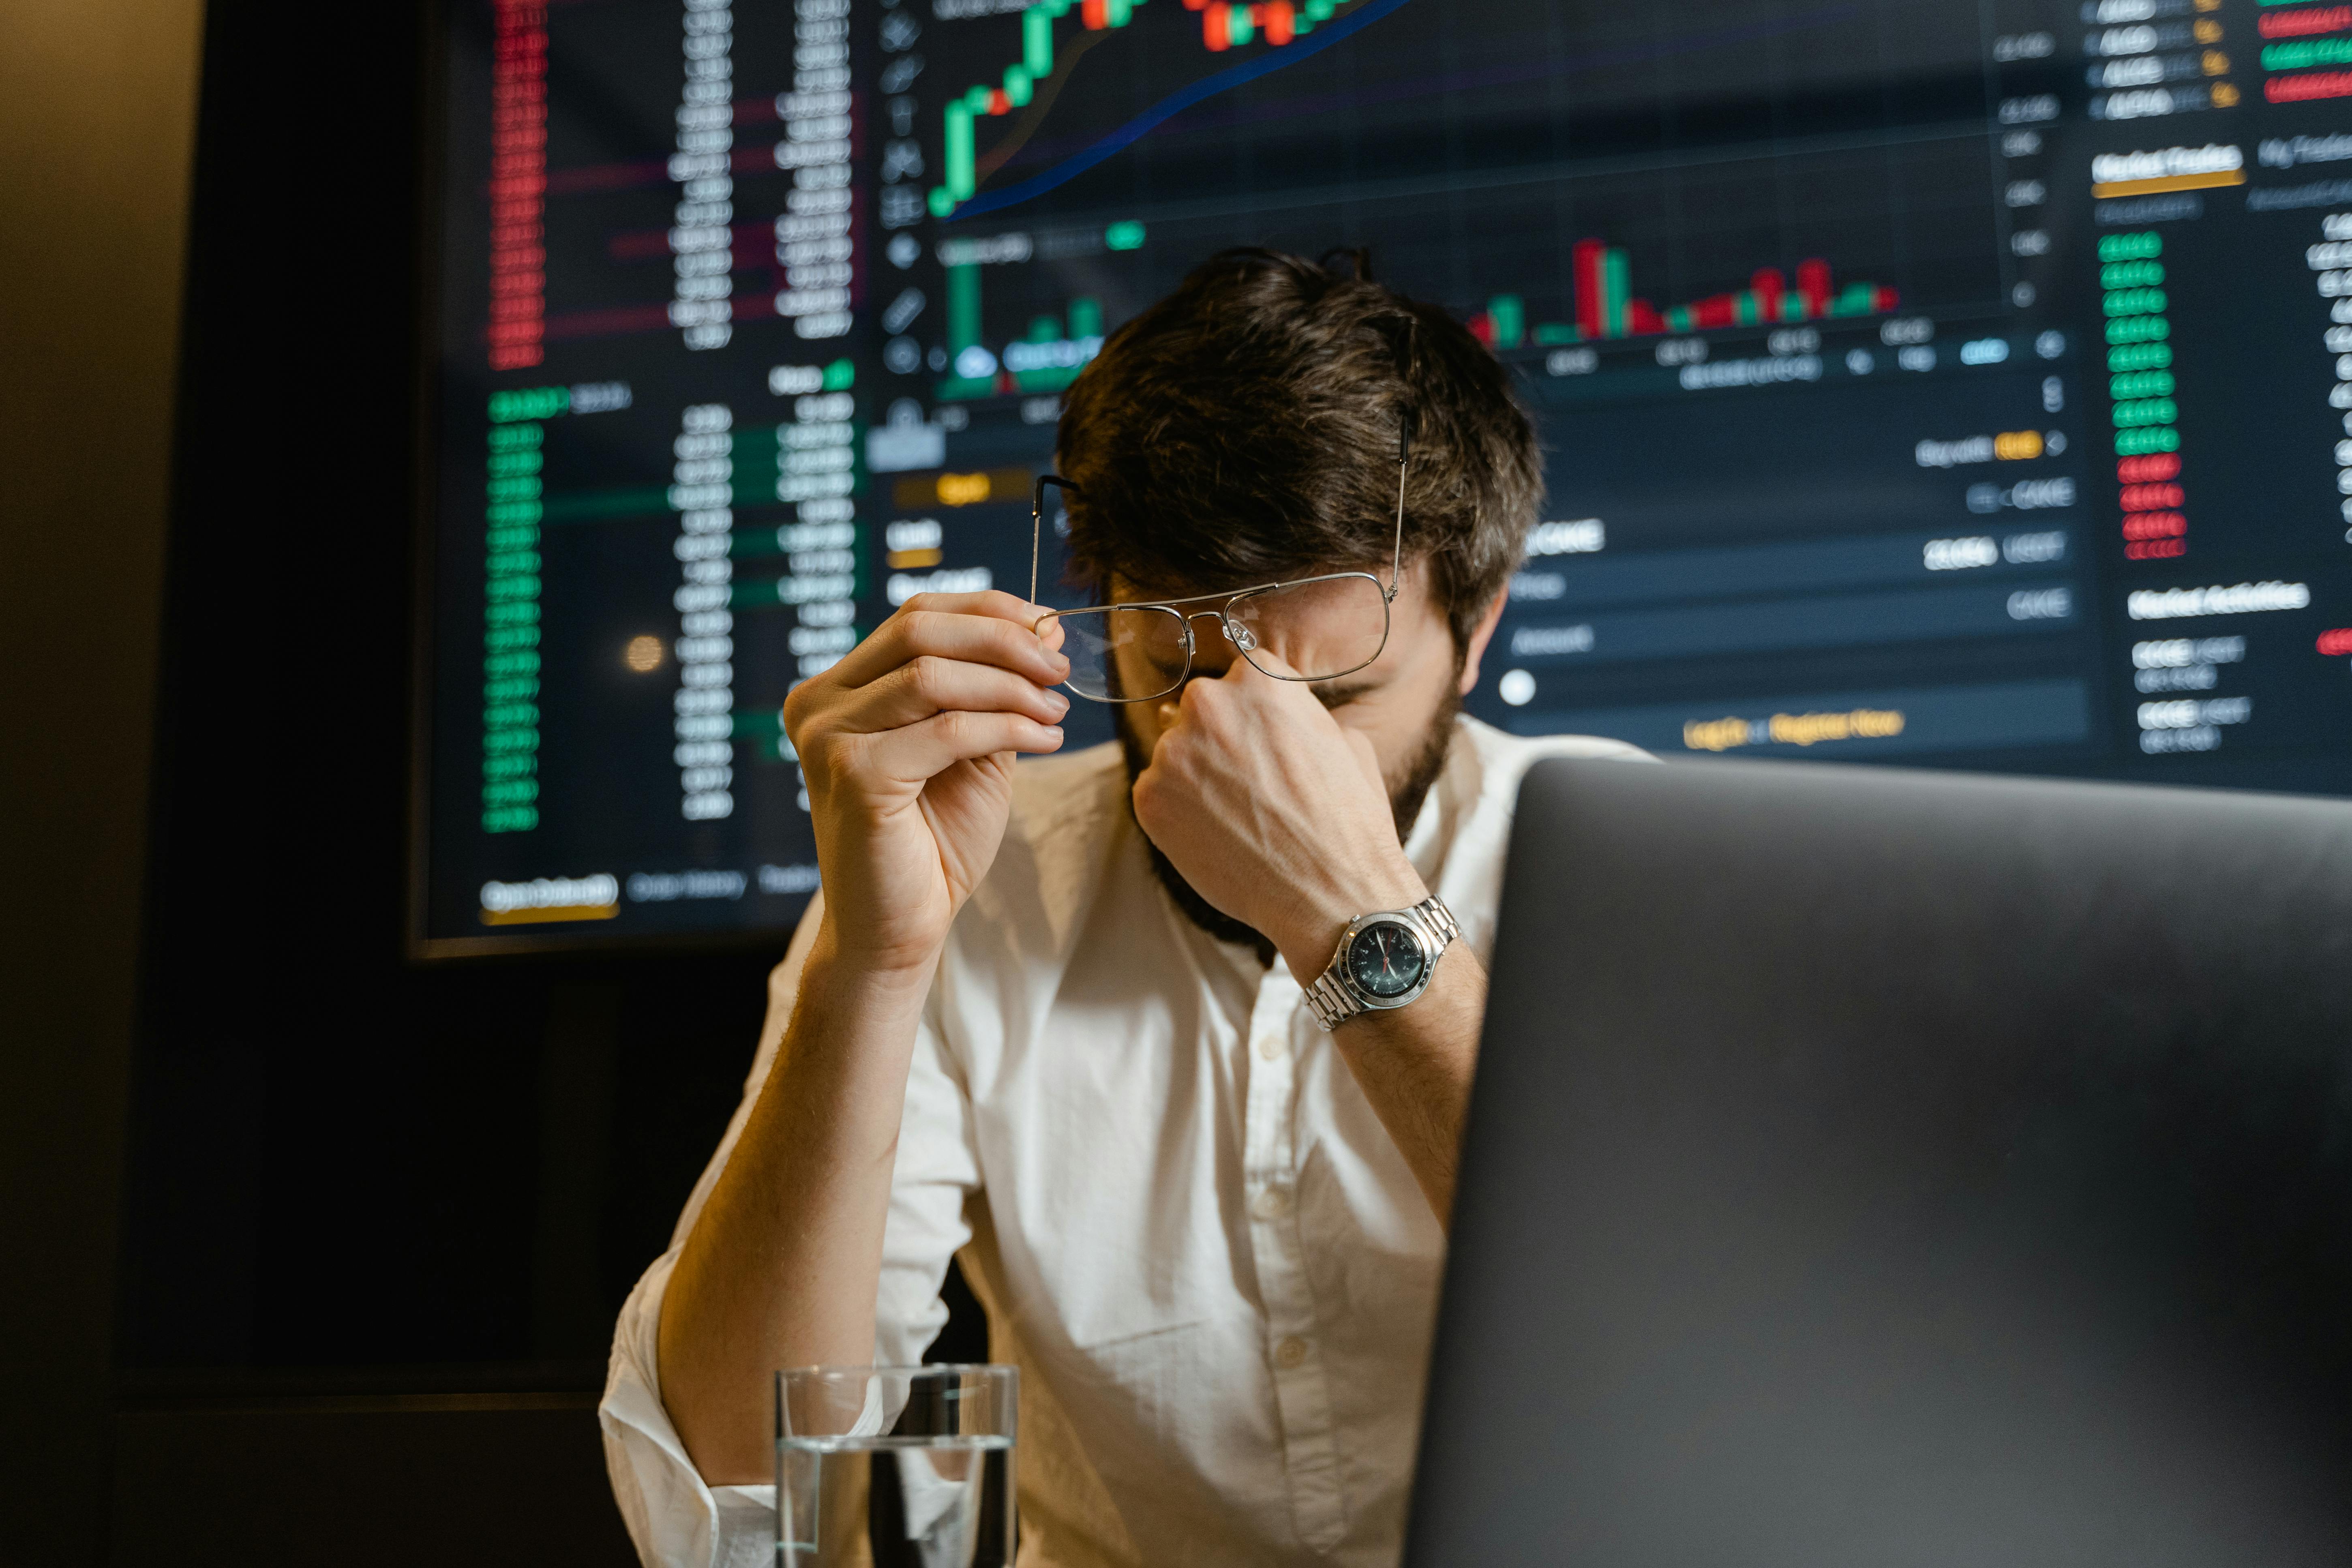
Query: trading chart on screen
column 1967, row 385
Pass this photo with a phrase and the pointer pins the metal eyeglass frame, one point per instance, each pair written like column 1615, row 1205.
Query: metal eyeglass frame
column 1240, row 635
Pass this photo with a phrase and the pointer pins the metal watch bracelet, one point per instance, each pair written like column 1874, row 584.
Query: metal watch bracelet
column 1331, row 997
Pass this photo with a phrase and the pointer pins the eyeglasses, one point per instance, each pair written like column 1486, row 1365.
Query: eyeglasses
column 1307, row 628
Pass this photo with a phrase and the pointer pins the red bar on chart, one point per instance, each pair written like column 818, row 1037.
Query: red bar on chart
column 1589, row 258
column 1814, row 286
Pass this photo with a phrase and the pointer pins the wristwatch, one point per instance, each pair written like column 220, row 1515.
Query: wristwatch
column 1385, row 960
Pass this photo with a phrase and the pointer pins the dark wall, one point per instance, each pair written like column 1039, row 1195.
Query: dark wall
column 378, row 1215
column 383, row 1483
column 313, row 1252
column 96, row 100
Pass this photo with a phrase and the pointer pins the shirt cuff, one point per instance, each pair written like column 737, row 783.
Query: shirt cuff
column 676, row 1520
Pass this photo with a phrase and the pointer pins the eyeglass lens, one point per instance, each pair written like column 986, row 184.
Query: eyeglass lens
column 1314, row 630
column 1125, row 654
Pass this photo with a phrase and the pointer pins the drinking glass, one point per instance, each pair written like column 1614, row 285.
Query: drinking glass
column 896, row 1467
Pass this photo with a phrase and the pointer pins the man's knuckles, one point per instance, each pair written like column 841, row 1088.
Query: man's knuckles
column 1146, row 798
column 1213, row 709
column 956, row 729
column 1184, row 751
column 921, row 628
column 927, row 676
column 798, row 710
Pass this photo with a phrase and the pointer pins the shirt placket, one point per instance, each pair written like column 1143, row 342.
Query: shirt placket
column 1294, row 1351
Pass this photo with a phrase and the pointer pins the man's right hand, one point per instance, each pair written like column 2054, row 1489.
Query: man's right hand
column 907, row 748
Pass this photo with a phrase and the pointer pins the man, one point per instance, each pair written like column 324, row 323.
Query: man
column 1049, row 1018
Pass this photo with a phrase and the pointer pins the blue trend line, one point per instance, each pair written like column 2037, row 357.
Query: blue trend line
column 1175, row 104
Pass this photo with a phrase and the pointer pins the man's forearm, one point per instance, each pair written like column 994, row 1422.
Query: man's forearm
column 782, row 1266
column 1413, row 1063
column 1416, row 1064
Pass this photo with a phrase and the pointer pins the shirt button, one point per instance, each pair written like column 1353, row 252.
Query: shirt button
column 1290, row 1353
column 1271, row 1203
column 1273, row 1047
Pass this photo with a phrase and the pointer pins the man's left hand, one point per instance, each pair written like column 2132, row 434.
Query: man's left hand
column 1275, row 811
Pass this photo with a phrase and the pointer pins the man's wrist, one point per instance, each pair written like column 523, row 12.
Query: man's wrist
column 1309, row 938
column 842, row 970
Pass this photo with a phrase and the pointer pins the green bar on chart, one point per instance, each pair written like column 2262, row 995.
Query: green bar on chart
column 959, row 180
column 963, row 308
column 1037, row 41
column 1508, row 315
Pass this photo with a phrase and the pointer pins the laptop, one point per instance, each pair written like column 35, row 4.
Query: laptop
column 1879, row 1168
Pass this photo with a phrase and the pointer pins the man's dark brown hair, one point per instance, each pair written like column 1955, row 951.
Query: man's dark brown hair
column 1245, row 428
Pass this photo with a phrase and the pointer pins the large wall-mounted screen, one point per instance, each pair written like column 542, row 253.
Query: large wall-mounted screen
column 1935, row 383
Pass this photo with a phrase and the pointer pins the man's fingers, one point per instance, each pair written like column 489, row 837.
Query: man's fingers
column 992, row 602
column 917, row 752
column 1259, row 662
column 927, row 684
column 978, row 629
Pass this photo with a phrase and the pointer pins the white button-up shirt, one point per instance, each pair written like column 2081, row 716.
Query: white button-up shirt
column 1214, row 1269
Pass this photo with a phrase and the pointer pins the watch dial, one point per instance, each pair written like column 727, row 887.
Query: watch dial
column 1385, row 960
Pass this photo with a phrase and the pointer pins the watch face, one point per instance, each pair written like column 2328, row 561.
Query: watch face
column 1386, row 960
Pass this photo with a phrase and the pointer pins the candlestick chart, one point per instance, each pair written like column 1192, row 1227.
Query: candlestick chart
column 1916, row 382
column 1299, row 127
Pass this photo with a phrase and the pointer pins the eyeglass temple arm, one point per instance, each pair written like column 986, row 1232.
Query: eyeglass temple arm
column 1037, row 523
column 1404, row 455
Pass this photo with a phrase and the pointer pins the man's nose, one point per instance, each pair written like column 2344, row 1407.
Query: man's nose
column 1213, row 645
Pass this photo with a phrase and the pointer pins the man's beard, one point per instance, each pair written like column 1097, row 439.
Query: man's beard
column 1404, row 805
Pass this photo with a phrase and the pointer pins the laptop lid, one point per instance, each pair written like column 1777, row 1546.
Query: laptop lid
column 1877, row 1168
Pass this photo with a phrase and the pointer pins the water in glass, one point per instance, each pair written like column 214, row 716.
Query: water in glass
column 896, row 1467
column 895, row 1503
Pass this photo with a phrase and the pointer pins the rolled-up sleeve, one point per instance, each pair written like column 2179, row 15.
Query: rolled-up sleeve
column 675, row 1519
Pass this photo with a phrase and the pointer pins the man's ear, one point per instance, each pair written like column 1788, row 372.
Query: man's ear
column 1480, row 635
